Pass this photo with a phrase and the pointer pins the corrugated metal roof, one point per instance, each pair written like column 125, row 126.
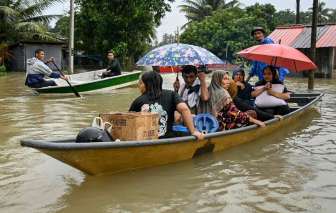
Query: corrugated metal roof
column 286, row 33
column 36, row 42
column 328, row 39
column 303, row 40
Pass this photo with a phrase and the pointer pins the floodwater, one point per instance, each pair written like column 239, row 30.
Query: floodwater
column 291, row 170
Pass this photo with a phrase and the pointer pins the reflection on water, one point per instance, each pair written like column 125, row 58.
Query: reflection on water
column 290, row 170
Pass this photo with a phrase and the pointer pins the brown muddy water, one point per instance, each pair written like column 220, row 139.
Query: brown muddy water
column 291, row 170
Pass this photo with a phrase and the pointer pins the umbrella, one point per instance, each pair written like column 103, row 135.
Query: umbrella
column 279, row 55
column 178, row 54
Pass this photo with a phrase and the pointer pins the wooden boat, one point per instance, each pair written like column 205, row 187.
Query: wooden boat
column 99, row 158
column 91, row 82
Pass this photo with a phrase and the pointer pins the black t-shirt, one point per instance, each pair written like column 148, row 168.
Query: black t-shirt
column 165, row 105
column 114, row 66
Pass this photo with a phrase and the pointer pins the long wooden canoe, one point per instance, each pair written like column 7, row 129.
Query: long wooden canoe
column 91, row 82
column 100, row 158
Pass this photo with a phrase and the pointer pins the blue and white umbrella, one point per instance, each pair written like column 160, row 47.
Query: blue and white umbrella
column 176, row 54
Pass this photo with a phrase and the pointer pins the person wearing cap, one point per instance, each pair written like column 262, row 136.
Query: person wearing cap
column 258, row 33
column 244, row 89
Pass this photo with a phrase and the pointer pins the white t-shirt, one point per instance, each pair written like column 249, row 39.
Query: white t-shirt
column 193, row 98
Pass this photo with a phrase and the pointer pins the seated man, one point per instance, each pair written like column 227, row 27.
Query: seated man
column 113, row 68
column 37, row 69
column 244, row 88
column 192, row 89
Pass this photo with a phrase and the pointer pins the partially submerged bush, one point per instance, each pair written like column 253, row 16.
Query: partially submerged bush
column 2, row 68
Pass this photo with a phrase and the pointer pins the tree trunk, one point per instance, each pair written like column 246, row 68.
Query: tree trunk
column 313, row 45
column 297, row 11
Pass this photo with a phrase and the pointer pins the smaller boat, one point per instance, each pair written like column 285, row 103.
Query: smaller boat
column 91, row 82
column 98, row 158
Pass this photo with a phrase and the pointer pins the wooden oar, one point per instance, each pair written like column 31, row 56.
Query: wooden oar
column 72, row 87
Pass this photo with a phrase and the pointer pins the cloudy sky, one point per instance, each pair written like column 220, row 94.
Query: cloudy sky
column 175, row 19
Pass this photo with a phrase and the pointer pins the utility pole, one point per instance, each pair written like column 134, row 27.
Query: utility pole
column 313, row 45
column 71, row 37
column 297, row 11
column 177, row 35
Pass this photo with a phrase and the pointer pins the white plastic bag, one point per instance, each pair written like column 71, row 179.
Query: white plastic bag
column 264, row 100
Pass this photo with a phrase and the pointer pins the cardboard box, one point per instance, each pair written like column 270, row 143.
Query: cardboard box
column 132, row 125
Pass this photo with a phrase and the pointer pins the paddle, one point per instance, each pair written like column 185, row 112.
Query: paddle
column 72, row 87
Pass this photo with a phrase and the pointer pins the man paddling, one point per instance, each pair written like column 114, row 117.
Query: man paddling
column 37, row 69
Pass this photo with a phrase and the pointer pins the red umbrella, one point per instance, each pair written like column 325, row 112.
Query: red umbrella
column 279, row 55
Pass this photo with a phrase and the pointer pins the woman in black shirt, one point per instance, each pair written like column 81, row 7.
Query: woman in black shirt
column 165, row 103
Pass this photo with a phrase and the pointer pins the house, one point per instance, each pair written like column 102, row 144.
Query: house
column 299, row 37
column 25, row 49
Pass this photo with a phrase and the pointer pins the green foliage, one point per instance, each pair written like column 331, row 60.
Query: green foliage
column 325, row 15
column 227, row 31
column 62, row 26
column 323, row 12
column 2, row 68
column 266, row 12
column 24, row 19
column 223, row 33
column 197, row 10
column 305, row 17
column 167, row 39
column 332, row 15
column 285, row 17
column 124, row 26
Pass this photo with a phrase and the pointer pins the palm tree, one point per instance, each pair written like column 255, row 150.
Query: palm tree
column 332, row 15
column 197, row 10
column 323, row 13
column 24, row 19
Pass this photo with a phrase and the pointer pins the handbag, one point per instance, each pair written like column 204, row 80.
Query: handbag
column 264, row 100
